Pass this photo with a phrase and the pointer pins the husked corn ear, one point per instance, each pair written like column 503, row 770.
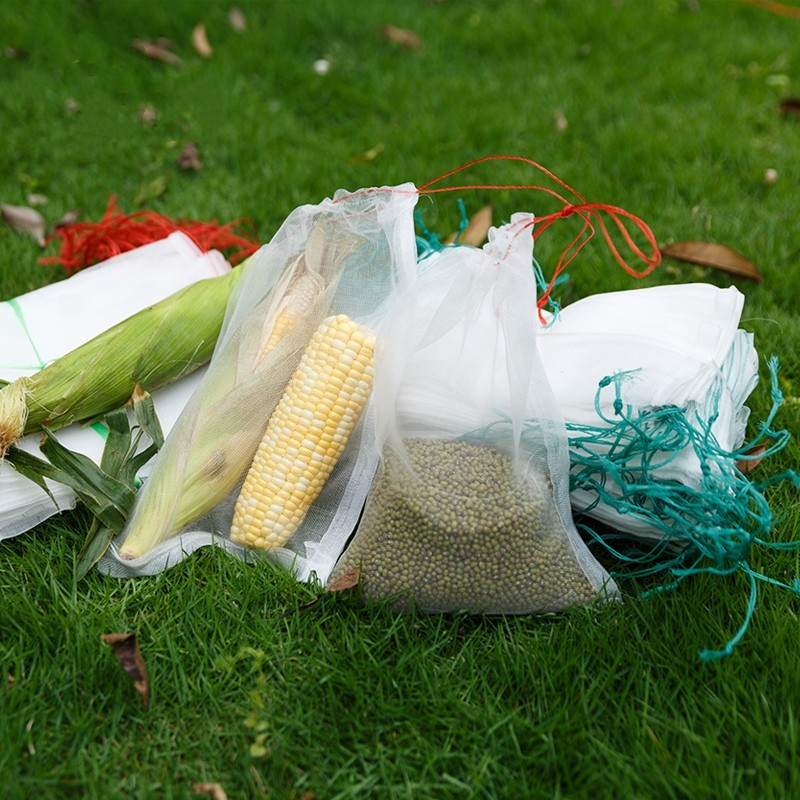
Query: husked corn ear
column 302, row 293
column 306, row 434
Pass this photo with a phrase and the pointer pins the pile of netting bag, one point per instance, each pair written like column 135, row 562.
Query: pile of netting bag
column 424, row 420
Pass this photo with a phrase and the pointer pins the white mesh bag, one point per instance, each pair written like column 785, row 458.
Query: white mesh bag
column 469, row 509
column 343, row 257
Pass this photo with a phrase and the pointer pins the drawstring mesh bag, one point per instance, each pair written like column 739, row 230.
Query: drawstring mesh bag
column 325, row 275
column 469, row 509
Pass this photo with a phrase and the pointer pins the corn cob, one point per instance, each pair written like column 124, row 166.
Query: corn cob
column 301, row 293
column 306, row 434
column 151, row 348
column 185, row 484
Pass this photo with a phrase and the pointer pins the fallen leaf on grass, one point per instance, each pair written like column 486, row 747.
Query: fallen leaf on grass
column 200, row 41
column 781, row 9
column 26, row 220
column 371, row 154
column 236, row 19
column 477, row 230
column 189, row 158
column 70, row 218
column 349, row 580
column 790, row 106
column 16, row 52
column 147, row 115
column 402, row 36
column 214, row 790
column 37, row 199
column 753, row 459
column 151, row 190
column 157, row 51
column 718, row 256
column 126, row 649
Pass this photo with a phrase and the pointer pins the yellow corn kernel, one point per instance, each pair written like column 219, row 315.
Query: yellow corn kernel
column 300, row 296
column 306, row 434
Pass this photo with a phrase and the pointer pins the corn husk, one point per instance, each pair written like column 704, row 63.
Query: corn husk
column 213, row 444
column 152, row 348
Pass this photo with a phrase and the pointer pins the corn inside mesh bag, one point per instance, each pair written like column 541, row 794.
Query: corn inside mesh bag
column 322, row 283
column 469, row 508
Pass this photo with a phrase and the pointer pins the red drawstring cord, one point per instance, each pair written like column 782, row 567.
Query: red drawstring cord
column 590, row 213
column 86, row 243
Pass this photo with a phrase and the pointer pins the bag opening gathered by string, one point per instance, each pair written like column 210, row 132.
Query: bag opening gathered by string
column 710, row 528
column 591, row 213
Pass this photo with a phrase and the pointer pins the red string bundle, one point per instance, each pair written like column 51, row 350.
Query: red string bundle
column 590, row 213
column 86, row 243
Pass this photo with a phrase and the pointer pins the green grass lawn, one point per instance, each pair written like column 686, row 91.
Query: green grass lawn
column 672, row 111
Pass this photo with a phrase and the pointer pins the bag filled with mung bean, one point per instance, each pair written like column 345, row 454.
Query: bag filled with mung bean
column 469, row 508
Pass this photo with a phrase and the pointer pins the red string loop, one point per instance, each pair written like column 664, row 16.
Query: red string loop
column 592, row 215
column 85, row 243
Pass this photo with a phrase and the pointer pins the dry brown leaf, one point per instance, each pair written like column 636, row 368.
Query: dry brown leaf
column 781, row 9
column 70, row 217
column 754, row 458
column 718, row 256
column 214, row 790
column 200, row 41
column 147, row 115
column 126, row 649
column 26, row 220
column 237, row 19
column 157, row 52
column 151, row 190
column 477, row 229
column 189, row 158
column 346, row 581
column 790, row 106
column 402, row 36
column 369, row 155
column 560, row 122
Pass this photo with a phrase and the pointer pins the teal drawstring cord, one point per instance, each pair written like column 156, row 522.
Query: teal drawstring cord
column 716, row 524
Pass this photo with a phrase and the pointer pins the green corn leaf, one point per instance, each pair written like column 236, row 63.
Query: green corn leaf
column 118, row 442
column 144, row 412
column 121, row 461
column 94, row 547
column 107, row 498
column 33, row 468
